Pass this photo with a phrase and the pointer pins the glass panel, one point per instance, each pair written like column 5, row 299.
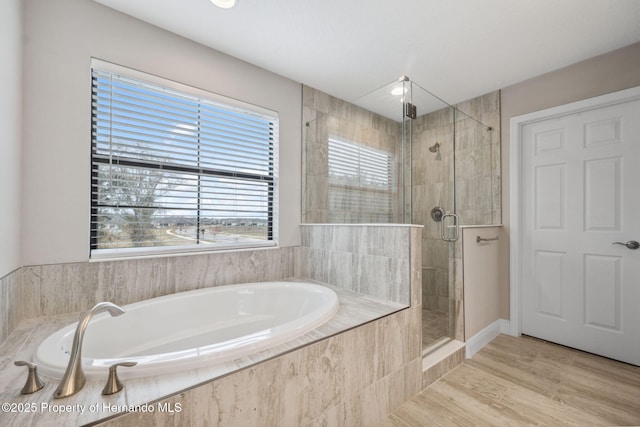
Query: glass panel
column 432, row 135
column 478, row 199
column 368, row 161
column 352, row 158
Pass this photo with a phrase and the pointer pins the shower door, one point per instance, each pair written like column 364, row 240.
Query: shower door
column 431, row 138
column 454, row 181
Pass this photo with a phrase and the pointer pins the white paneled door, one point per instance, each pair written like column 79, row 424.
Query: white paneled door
column 580, row 227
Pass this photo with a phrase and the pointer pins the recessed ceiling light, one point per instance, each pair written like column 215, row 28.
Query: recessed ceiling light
column 225, row 4
column 398, row 90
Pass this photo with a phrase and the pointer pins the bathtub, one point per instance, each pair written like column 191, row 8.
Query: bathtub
column 192, row 329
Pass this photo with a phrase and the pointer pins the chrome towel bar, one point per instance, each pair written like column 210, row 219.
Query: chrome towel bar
column 481, row 239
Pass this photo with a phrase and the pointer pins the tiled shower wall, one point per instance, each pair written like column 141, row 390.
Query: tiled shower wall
column 370, row 259
column 432, row 186
column 477, row 173
column 477, row 190
column 327, row 117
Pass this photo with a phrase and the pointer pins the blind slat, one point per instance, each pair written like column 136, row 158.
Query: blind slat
column 360, row 183
column 173, row 169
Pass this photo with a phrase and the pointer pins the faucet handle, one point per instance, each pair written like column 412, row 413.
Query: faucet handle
column 33, row 383
column 113, row 382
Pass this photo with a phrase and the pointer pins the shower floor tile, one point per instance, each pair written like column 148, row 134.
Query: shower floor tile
column 435, row 325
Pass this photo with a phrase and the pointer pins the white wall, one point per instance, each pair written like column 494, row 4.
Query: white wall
column 61, row 37
column 483, row 304
column 11, row 126
column 611, row 72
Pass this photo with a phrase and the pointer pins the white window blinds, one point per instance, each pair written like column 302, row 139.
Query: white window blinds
column 360, row 183
column 178, row 168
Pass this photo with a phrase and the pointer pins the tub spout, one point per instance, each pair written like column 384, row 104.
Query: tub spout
column 74, row 379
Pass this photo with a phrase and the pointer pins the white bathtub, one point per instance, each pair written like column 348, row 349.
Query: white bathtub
column 192, row 329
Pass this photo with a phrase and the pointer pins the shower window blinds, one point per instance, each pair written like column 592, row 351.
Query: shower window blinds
column 175, row 168
column 360, row 183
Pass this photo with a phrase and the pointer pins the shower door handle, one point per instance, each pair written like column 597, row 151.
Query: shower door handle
column 444, row 234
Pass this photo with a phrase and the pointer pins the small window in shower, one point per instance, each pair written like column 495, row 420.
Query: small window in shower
column 360, row 183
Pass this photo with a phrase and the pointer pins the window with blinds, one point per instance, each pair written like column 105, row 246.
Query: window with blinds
column 360, row 183
column 176, row 169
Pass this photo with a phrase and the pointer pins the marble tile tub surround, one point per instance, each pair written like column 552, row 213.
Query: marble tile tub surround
column 43, row 290
column 10, row 312
column 374, row 259
column 65, row 288
column 355, row 309
column 350, row 379
column 351, row 375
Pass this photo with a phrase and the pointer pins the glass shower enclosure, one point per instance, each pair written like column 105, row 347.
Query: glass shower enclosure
column 399, row 154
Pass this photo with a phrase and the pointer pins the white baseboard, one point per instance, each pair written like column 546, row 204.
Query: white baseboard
column 485, row 336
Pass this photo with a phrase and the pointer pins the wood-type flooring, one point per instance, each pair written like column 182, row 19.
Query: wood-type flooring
column 526, row 381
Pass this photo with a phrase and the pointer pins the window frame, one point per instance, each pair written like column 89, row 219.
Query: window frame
column 229, row 104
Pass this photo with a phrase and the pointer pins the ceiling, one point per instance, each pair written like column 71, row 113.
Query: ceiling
column 456, row 49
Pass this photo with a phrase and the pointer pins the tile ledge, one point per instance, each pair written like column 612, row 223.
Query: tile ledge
column 355, row 224
column 441, row 353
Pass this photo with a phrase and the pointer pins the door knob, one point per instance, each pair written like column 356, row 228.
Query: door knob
column 631, row 244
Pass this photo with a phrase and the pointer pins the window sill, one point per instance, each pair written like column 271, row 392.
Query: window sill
column 173, row 251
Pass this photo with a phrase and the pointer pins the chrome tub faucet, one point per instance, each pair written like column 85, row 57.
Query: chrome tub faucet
column 74, row 379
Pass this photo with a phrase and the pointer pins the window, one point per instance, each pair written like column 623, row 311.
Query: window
column 174, row 168
column 360, row 183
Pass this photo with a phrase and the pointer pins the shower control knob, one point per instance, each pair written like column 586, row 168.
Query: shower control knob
column 437, row 213
column 631, row 244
